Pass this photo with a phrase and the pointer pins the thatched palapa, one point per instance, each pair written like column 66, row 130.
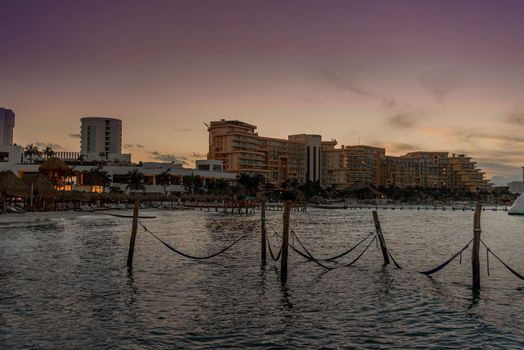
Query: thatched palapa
column 54, row 165
column 12, row 186
column 41, row 186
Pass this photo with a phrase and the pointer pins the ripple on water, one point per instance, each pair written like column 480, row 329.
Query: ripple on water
column 64, row 284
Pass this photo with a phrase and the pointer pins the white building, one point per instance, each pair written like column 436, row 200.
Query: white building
column 517, row 186
column 101, row 139
column 119, row 175
column 7, row 124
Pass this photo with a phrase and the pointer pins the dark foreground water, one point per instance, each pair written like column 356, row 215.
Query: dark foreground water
column 64, row 284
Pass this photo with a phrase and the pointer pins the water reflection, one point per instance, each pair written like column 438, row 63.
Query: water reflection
column 65, row 284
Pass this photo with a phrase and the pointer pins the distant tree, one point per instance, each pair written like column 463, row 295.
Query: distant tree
column 99, row 177
column 311, row 188
column 48, row 152
column 217, row 186
column 81, row 159
column 164, row 179
column 31, row 151
column 192, row 183
column 136, row 181
column 251, row 183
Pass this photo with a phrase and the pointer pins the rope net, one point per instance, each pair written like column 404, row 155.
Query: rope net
column 170, row 247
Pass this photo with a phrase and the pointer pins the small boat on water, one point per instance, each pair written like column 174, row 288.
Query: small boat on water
column 518, row 206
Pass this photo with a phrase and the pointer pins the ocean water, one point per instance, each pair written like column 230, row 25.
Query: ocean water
column 64, row 283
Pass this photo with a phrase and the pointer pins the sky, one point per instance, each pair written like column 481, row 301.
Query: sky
column 403, row 74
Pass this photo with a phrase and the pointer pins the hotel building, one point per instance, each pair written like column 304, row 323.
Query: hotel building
column 102, row 137
column 242, row 150
column 306, row 157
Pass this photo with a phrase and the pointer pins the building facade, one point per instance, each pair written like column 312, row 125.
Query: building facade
column 349, row 165
column 101, row 137
column 242, row 150
column 7, row 125
column 306, row 157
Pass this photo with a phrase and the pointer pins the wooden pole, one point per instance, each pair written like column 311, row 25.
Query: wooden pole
column 381, row 239
column 475, row 260
column 133, row 236
column 285, row 242
column 263, row 232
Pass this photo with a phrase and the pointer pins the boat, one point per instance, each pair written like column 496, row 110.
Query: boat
column 518, row 206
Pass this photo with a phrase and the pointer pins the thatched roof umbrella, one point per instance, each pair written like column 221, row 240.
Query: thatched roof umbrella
column 11, row 185
column 75, row 196
column 117, row 197
column 41, row 186
column 54, row 165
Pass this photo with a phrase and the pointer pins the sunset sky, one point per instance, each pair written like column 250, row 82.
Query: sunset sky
column 406, row 75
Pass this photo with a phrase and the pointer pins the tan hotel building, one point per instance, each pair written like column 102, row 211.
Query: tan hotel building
column 306, row 157
column 242, row 150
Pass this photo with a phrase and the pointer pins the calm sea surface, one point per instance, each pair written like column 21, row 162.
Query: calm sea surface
column 64, row 284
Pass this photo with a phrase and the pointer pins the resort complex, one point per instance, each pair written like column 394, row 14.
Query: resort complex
column 100, row 165
column 302, row 158
column 235, row 148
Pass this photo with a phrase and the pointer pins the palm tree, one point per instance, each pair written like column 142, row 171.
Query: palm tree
column 136, row 181
column 31, row 151
column 81, row 158
column 48, row 152
column 192, row 183
column 164, row 179
column 251, row 183
column 99, row 177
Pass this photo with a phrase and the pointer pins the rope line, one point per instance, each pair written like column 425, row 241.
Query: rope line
column 362, row 253
column 311, row 258
column 393, row 259
column 445, row 263
column 349, row 250
column 271, row 250
column 339, row 255
column 503, row 263
column 487, row 260
column 309, row 254
column 188, row 255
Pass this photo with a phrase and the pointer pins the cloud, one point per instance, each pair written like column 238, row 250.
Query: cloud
column 198, row 155
column 516, row 117
column 403, row 120
column 75, row 136
column 53, row 146
column 487, row 135
column 404, row 147
column 169, row 157
column 341, row 79
column 139, row 146
column 500, row 168
column 438, row 84
column 190, row 130
column 128, row 145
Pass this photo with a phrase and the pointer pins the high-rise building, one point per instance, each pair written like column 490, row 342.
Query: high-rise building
column 7, row 125
column 307, row 158
column 100, row 135
column 242, row 150
column 350, row 165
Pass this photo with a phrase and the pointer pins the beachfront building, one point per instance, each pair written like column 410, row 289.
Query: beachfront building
column 81, row 176
column 464, row 174
column 307, row 158
column 101, row 139
column 415, row 169
column 350, row 165
column 242, row 150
